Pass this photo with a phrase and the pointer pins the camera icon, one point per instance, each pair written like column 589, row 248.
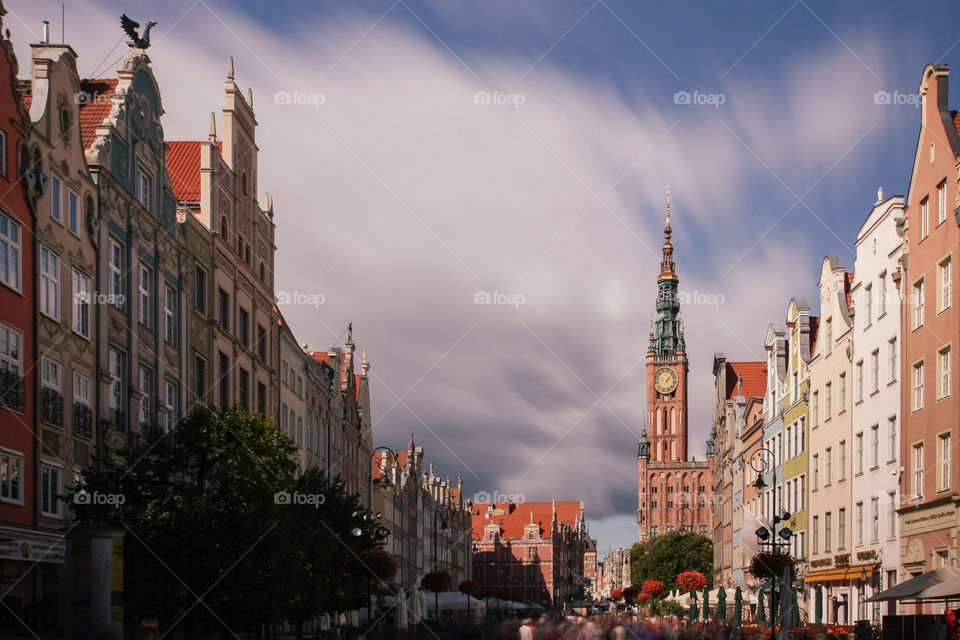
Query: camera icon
column 281, row 497
column 82, row 498
column 482, row 297
column 681, row 97
column 881, row 97
column 282, row 97
column 82, row 97
column 481, row 496
column 481, row 97
column 283, row 297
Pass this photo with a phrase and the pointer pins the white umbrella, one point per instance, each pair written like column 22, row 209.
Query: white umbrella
column 325, row 622
column 342, row 620
column 401, row 615
column 354, row 618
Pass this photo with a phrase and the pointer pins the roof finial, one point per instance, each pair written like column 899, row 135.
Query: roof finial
column 250, row 97
column 213, row 127
column 230, row 69
column 667, row 230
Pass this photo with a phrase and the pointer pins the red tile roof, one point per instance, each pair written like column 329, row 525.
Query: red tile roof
column 94, row 111
column 183, row 165
column 753, row 375
column 378, row 456
column 513, row 522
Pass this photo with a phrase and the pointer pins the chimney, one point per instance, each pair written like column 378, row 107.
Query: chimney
column 880, row 194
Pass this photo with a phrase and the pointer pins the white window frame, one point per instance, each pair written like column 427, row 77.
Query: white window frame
column 868, row 304
column 918, row 300
column 48, row 493
column 945, row 290
column 925, row 217
column 892, row 359
column 942, row 201
column 874, row 371
column 81, row 388
column 943, row 443
column 115, row 359
column 875, row 446
column 892, row 438
column 144, row 279
column 918, row 470
column 50, row 373
column 144, row 380
column 169, row 314
column 81, row 303
column 7, row 458
column 11, row 239
column 917, row 395
column 115, row 272
column 858, row 453
column 858, row 382
column 944, row 372
column 883, row 295
column 144, row 187
column 49, row 282
column 169, row 403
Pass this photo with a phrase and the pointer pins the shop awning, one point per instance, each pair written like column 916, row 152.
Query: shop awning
column 841, row 574
column 946, row 580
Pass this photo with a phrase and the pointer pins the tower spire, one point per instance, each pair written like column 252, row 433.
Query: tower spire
column 666, row 335
column 667, row 271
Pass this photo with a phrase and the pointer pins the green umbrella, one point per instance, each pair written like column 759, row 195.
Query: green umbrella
column 706, row 604
column 693, row 605
column 819, row 606
column 761, row 610
column 794, row 608
column 721, row 604
column 737, row 611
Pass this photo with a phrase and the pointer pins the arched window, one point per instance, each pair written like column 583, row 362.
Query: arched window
column 673, row 448
column 659, row 423
column 673, row 420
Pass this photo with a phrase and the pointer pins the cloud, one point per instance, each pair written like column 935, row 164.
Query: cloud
column 413, row 180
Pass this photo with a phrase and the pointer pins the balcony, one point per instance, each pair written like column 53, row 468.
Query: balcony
column 82, row 420
column 51, row 406
column 11, row 391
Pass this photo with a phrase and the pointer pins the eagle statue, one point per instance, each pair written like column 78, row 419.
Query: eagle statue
column 130, row 27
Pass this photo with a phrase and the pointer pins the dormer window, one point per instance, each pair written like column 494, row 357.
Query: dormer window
column 144, row 188
column 532, row 535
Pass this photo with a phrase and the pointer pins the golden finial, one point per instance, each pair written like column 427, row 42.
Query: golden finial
column 666, row 229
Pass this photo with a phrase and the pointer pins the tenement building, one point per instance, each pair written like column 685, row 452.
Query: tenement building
column 673, row 492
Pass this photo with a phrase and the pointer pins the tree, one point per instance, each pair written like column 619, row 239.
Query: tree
column 632, row 593
column 666, row 556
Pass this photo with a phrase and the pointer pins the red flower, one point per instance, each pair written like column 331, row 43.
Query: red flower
column 653, row 588
column 691, row 581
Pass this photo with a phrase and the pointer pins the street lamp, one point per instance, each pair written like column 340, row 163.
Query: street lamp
column 762, row 461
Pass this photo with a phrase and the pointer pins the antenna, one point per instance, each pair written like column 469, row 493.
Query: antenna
column 63, row 22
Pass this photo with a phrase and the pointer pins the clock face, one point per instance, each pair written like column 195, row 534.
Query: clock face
column 665, row 380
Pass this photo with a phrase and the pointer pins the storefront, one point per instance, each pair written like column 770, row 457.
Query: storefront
column 32, row 580
column 844, row 592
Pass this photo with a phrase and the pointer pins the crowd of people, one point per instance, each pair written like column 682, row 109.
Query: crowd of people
column 610, row 627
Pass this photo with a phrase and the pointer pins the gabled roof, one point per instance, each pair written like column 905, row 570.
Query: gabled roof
column 753, row 375
column 183, row 165
column 516, row 516
column 94, row 111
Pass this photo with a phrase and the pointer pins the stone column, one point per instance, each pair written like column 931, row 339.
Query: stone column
column 95, row 556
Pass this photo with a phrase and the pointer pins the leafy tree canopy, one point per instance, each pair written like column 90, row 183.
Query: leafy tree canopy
column 665, row 556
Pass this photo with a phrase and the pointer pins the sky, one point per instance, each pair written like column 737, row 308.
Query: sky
column 478, row 187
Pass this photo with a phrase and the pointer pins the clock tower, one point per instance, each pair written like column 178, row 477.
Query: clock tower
column 672, row 492
column 667, row 365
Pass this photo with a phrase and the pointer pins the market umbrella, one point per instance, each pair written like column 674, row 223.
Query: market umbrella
column 722, row 604
column 794, row 607
column 693, row 606
column 784, row 618
column 400, row 619
column 706, row 604
column 761, row 610
column 819, row 605
column 737, row 609
column 325, row 622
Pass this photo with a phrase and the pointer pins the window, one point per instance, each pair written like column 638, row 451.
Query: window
column 858, row 525
column 941, row 201
column 145, row 379
column 918, row 470
column 223, row 307
column 169, row 314
column 81, row 388
column 115, row 269
column 829, row 462
column 262, row 405
column 883, row 295
column 892, row 360
column 841, row 529
column 945, row 274
column 827, row 401
column 144, row 189
column 789, row 441
column 49, row 283
column 169, row 403
column 72, row 223
column 875, row 518
column 918, row 386
column 115, row 365
column 944, row 444
column 11, row 475
column 868, row 305
column 858, row 453
column 858, row 382
column 56, row 206
column 200, row 378
column 827, row 532
column 842, row 460
column 9, row 252
column 924, row 218
column 893, row 450
column 223, row 371
column 143, row 288
column 816, row 534
column 943, row 367
column 892, row 515
column 244, row 383
column 200, row 292
column 875, row 446
column 261, row 342
column 50, row 373
column 816, row 472
column 842, row 393
column 244, row 328
column 49, row 491
column 81, row 304
column 815, row 409
column 918, row 304
column 829, row 334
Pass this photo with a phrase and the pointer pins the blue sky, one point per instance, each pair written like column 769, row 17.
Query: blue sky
column 399, row 197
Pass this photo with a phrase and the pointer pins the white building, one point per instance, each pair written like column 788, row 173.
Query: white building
column 876, row 404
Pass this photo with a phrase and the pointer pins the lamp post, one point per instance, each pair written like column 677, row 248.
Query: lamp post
column 761, row 461
column 387, row 460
